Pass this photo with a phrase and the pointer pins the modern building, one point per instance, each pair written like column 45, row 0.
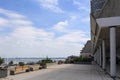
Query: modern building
column 86, row 51
column 105, row 30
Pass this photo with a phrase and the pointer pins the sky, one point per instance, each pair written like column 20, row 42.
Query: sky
column 40, row 28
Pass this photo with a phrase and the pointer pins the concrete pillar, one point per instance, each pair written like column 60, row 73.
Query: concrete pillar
column 104, row 55
column 96, row 54
column 100, row 56
column 97, row 57
column 113, row 52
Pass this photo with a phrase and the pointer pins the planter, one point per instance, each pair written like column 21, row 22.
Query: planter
column 44, row 65
column 82, row 62
column 3, row 73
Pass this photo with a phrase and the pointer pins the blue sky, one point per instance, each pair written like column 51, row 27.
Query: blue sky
column 40, row 28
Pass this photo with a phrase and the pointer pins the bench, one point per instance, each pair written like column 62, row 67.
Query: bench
column 35, row 67
column 19, row 69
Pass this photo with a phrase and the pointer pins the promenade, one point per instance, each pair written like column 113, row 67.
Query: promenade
column 64, row 72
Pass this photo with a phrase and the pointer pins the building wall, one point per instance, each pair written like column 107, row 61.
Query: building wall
column 87, row 47
column 110, row 59
column 112, row 8
column 86, row 55
column 86, row 51
column 97, row 55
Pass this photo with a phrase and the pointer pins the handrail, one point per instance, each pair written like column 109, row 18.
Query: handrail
column 97, row 5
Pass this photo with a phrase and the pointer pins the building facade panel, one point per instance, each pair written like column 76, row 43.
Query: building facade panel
column 108, row 10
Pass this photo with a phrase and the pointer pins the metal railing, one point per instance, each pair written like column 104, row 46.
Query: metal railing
column 97, row 5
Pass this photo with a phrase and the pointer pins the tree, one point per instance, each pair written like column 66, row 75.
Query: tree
column 21, row 63
column 1, row 60
column 11, row 63
column 47, row 60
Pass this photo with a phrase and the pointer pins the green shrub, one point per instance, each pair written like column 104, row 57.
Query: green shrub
column 1, row 60
column 77, row 59
column 11, row 63
column 30, row 63
column 80, row 59
column 21, row 63
column 38, row 62
column 86, row 59
column 47, row 60
column 43, row 63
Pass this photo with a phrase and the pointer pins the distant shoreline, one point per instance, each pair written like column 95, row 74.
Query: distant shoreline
column 26, row 60
column 36, row 57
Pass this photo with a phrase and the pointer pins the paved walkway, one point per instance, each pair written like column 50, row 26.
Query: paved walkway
column 65, row 72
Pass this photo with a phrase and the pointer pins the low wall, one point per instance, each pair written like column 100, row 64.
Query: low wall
column 3, row 73
column 50, row 64
column 82, row 62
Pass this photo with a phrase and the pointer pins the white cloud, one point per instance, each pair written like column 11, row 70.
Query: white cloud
column 73, row 17
column 74, row 37
column 32, row 42
column 12, row 19
column 11, row 14
column 21, row 22
column 51, row 5
column 3, row 21
column 26, row 40
column 61, row 26
column 85, row 19
column 81, row 6
column 32, row 33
